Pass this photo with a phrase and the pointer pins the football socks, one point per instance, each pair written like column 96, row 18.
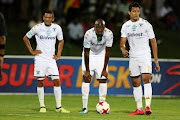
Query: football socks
column 137, row 91
column 148, row 94
column 85, row 94
column 40, row 92
column 102, row 92
column 57, row 94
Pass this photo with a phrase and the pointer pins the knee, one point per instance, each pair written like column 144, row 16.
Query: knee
column 40, row 83
column 87, row 79
column 146, row 80
column 136, row 84
column 56, row 82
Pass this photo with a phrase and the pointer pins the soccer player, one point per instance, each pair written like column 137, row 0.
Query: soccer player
column 45, row 58
column 95, row 56
column 3, row 34
column 138, row 32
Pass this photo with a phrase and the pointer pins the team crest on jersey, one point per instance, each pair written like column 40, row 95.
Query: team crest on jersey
column 48, row 32
column 134, row 27
column 54, row 29
column 140, row 24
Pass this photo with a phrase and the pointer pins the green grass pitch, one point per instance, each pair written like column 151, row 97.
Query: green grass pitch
column 26, row 107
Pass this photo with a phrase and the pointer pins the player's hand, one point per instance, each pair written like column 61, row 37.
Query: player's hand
column 87, row 76
column 56, row 57
column 125, row 53
column 36, row 52
column 1, row 60
column 104, row 73
column 157, row 68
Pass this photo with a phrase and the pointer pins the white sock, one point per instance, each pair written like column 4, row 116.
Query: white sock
column 58, row 94
column 102, row 92
column 40, row 92
column 85, row 94
column 137, row 91
column 148, row 94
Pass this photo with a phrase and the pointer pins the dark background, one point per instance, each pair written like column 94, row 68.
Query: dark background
column 21, row 15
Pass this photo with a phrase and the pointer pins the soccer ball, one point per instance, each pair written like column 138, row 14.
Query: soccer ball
column 103, row 108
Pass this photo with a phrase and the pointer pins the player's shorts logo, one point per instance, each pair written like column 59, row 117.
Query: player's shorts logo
column 38, row 72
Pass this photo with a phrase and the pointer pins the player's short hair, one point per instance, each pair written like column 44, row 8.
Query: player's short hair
column 98, row 21
column 49, row 11
column 134, row 4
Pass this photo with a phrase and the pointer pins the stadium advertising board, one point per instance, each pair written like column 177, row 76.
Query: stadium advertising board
column 18, row 77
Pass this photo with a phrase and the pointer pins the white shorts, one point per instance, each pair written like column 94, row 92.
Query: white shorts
column 44, row 68
column 138, row 66
column 96, row 65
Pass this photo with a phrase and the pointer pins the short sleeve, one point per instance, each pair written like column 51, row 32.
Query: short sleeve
column 59, row 34
column 86, row 42
column 123, row 31
column 109, row 41
column 150, row 31
column 32, row 32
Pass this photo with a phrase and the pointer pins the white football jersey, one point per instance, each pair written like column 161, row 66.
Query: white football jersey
column 138, row 35
column 97, row 45
column 46, row 38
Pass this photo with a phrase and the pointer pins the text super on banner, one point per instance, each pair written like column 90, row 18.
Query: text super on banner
column 18, row 77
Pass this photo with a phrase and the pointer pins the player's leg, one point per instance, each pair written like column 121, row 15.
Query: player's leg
column 99, row 65
column 40, row 92
column 137, row 88
column 85, row 89
column 137, row 92
column 102, row 89
column 39, row 72
column 147, row 92
column 58, row 96
column 146, row 70
column 85, row 95
column 53, row 72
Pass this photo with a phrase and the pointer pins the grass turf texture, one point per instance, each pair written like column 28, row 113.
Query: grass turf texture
column 26, row 107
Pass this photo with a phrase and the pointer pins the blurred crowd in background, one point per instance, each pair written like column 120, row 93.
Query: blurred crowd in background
column 79, row 15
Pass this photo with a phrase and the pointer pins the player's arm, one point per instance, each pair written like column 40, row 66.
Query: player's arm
column 86, row 76
column 154, row 48
column 3, row 33
column 123, row 47
column 28, row 45
column 107, row 55
column 2, row 48
column 60, row 48
column 86, row 58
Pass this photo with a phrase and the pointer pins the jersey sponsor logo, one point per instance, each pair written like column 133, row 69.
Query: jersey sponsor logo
column 135, row 34
column 47, row 37
column 97, row 44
